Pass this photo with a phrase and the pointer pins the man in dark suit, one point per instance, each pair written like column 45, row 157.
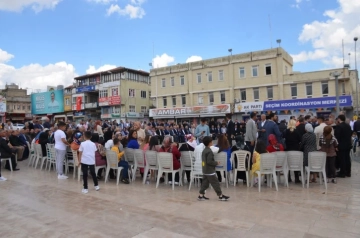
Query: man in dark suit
column 7, row 152
column 343, row 134
column 160, row 132
column 261, row 130
column 230, row 129
column 271, row 128
column 301, row 127
column 357, row 128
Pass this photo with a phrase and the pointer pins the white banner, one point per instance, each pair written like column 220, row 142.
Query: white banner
column 196, row 111
column 2, row 104
column 249, row 107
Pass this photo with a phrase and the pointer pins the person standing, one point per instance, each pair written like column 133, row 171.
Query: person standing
column 251, row 130
column 87, row 160
column 292, row 142
column 202, row 130
column 357, row 128
column 343, row 134
column 328, row 144
column 261, row 130
column 271, row 128
column 230, row 129
column 60, row 148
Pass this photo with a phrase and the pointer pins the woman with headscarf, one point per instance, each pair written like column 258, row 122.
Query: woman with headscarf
column 274, row 145
column 171, row 147
column 308, row 144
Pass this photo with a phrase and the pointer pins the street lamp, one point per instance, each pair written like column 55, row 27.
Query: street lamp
column 278, row 41
column 336, row 75
column 230, row 51
column 357, row 81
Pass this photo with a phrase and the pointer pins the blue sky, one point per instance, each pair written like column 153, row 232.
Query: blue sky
column 56, row 39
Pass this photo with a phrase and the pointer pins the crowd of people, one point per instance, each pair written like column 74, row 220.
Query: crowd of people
column 259, row 134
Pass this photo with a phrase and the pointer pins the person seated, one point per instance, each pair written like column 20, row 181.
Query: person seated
column 274, row 145
column 260, row 148
column 224, row 146
column 100, row 154
column 16, row 143
column 171, row 147
column 122, row 163
column 132, row 140
column 188, row 146
column 7, row 152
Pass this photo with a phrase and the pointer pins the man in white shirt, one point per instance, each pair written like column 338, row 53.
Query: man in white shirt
column 60, row 148
column 319, row 130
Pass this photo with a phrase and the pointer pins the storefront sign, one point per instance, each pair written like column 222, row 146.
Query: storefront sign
column 324, row 102
column 105, row 116
column 249, row 107
column 115, row 115
column 223, row 108
column 47, row 102
column 134, row 115
column 85, row 89
column 109, row 101
column 77, row 114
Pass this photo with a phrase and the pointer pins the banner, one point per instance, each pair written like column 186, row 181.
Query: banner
column 249, row 107
column 109, row 101
column 78, row 103
column 47, row 102
column 85, row 89
column 176, row 111
column 2, row 104
column 300, row 104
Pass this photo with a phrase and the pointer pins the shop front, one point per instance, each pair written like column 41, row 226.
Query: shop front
column 133, row 116
column 194, row 114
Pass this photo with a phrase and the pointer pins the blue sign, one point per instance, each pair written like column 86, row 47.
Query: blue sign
column 47, row 102
column 324, row 102
column 85, row 89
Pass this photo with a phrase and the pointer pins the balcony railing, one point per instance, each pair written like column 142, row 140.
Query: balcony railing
column 91, row 105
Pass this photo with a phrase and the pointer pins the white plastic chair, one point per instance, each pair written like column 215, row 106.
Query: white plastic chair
column 112, row 163
column 295, row 161
column 267, row 166
column 4, row 159
column 51, row 156
column 32, row 154
column 130, row 158
column 39, row 156
column 185, row 162
column 222, row 167
column 151, row 163
column 139, row 162
column 281, row 166
column 77, row 168
column 242, row 156
column 196, row 168
column 165, row 161
column 316, row 163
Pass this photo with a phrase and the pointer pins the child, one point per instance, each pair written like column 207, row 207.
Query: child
column 209, row 175
column 328, row 144
column 122, row 162
column 87, row 159
column 259, row 149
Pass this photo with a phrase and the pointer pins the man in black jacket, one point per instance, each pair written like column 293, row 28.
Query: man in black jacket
column 7, row 152
column 230, row 129
column 343, row 134
column 357, row 128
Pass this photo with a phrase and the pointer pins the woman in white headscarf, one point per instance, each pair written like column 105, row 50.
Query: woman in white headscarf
column 308, row 144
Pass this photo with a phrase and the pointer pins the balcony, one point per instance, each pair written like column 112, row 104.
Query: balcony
column 91, row 105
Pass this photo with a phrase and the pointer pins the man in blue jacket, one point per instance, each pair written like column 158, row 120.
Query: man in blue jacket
column 271, row 128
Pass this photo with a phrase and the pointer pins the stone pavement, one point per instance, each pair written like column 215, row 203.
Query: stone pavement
column 34, row 203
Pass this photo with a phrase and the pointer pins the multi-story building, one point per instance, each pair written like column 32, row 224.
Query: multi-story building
column 245, row 82
column 121, row 93
column 68, row 112
column 18, row 103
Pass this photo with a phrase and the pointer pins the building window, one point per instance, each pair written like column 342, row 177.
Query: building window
column 199, row 77
column 23, row 107
column 293, row 88
column 254, row 71
column 182, row 80
column 131, row 92
column 256, row 94
column 115, row 91
column 325, row 89
column 211, row 98
column 286, row 69
column 268, row 69
column 143, row 109
column 221, row 75
column 242, row 72
column 172, row 81
column 165, row 101
column 200, row 99
column 222, row 97
column 74, row 100
column 143, row 94
column 132, row 108
column 270, row 93
column 163, row 83
column 67, row 101
column 116, row 110
column 102, row 94
column 243, row 95
column 342, row 87
column 28, row 107
column 183, row 100
column 174, row 101
column 308, row 90
column 209, row 76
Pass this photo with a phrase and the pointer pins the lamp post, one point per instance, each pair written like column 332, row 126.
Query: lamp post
column 357, row 81
column 336, row 75
column 278, row 41
column 230, row 51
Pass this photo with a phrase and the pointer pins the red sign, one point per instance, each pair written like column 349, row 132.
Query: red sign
column 78, row 103
column 109, row 101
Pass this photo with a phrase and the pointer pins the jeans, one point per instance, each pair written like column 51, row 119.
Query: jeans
column 84, row 169
column 125, row 171
column 60, row 156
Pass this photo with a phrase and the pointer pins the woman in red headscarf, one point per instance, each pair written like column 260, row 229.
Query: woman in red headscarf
column 274, row 145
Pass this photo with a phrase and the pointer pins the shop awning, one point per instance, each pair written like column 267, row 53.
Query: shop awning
column 59, row 116
column 17, row 118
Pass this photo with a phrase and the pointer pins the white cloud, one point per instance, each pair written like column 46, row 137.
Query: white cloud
column 36, row 76
column 137, row 2
column 102, row 1
column 162, row 60
column 193, row 58
column 19, row 5
column 297, row 3
column 5, row 56
column 92, row 69
column 129, row 10
column 326, row 36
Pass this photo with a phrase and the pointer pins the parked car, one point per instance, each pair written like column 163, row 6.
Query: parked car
column 18, row 126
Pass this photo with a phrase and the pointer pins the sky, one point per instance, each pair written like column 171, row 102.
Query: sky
column 49, row 42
